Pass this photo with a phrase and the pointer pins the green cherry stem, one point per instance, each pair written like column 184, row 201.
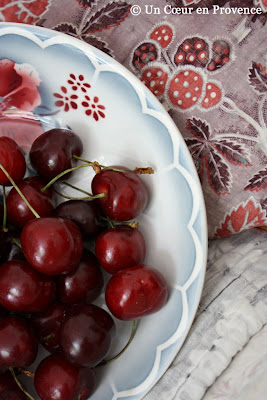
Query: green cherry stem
column 50, row 183
column 19, row 384
column 5, row 212
column 147, row 170
column 104, row 362
column 19, row 191
column 15, row 241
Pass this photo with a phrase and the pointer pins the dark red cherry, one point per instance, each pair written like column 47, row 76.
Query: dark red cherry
column 126, row 193
column 51, row 153
column 136, row 292
column 18, row 344
column 85, row 335
column 46, row 325
column 18, row 213
column 9, row 390
column 23, row 289
column 52, row 245
column 12, row 159
column 85, row 214
column 3, row 312
column 57, row 378
column 119, row 248
column 84, row 284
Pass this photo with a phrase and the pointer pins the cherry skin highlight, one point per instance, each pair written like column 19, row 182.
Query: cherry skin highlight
column 57, row 378
column 84, row 284
column 23, row 289
column 126, row 193
column 51, row 153
column 136, row 292
column 85, row 214
column 18, row 344
column 85, row 335
column 18, row 212
column 120, row 247
column 52, row 246
column 12, row 159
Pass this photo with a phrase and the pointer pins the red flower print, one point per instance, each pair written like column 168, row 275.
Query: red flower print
column 66, row 100
column 18, row 86
column 78, row 82
column 93, row 108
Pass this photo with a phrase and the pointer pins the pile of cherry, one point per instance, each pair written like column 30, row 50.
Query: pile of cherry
column 49, row 278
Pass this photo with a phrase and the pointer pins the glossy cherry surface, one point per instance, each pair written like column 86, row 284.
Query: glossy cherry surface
column 18, row 344
column 56, row 378
column 85, row 335
column 51, row 153
column 12, row 159
column 120, row 247
column 18, row 212
column 84, row 284
column 52, row 245
column 46, row 324
column 23, row 289
column 85, row 214
column 126, row 193
column 136, row 292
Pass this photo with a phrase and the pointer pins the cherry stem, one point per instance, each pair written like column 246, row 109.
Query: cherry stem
column 30, row 374
column 113, row 222
column 5, row 212
column 97, row 196
column 104, row 362
column 96, row 166
column 15, row 241
column 50, row 183
column 19, row 191
column 19, row 384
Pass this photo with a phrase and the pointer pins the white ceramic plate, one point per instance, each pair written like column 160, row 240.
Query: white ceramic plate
column 69, row 83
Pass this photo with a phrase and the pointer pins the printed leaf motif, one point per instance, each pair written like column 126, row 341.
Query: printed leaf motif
column 107, row 17
column 198, row 128
column 244, row 216
column 94, row 41
column 232, row 151
column 219, row 176
column 258, row 181
column 258, row 77
column 86, row 3
column 66, row 28
column 28, row 12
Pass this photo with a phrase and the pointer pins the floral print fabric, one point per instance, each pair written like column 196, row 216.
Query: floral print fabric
column 207, row 68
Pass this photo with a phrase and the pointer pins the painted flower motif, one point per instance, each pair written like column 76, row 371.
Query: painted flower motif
column 66, row 100
column 18, row 86
column 93, row 108
column 78, row 82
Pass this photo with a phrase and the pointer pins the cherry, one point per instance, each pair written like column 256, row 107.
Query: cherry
column 12, row 159
column 52, row 245
column 23, row 289
column 52, row 152
column 57, row 378
column 84, row 284
column 9, row 389
column 126, row 193
column 18, row 212
column 3, row 312
column 135, row 292
column 85, row 334
column 18, row 344
column 120, row 247
column 46, row 325
column 85, row 214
